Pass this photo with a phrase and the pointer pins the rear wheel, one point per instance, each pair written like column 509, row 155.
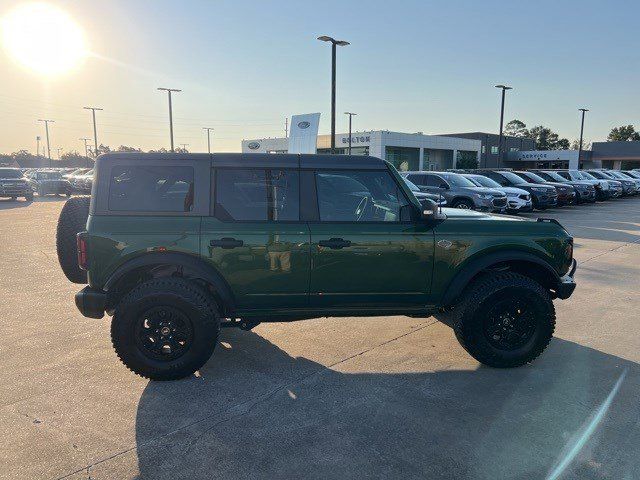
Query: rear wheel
column 165, row 329
column 504, row 320
column 29, row 197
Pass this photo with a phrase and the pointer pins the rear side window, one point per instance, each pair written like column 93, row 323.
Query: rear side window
column 358, row 196
column 418, row 179
column 257, row 195
column 151, row 189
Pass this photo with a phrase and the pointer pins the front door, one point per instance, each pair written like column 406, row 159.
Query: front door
column 362, row 253
column 256, row 239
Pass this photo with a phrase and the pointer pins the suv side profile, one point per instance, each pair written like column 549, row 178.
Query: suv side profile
column 459, row 192
column 176, row 246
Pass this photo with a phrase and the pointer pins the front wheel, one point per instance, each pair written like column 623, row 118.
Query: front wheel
column 463, row 204
column 165, row 329
column 504, row 319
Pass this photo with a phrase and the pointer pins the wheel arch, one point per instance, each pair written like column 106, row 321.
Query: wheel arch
column 464, row 198
column 525, row 263
column 169, row 264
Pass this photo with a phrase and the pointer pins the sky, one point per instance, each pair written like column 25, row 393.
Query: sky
column 244, row 66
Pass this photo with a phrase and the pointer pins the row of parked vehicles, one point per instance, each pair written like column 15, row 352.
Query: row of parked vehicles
column 508, row 191
column 24, row 183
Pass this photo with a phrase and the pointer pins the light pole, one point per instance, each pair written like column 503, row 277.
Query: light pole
column 351, row 114
column 334, row 43
column 46, row 128
column 95, row 131
column 37, row 145
column 169, row 90
column 59, row 150
column 209, row 130
column 86, row 149
column 504, row 89
column 583, row 110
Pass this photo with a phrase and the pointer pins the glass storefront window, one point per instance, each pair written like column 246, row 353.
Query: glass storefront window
column 403, row 158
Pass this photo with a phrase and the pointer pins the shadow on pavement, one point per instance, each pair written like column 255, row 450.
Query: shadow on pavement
column 8, row 204
column 256, row 412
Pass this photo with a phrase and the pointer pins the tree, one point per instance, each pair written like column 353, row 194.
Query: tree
column 161, row 150
column 516, row 128
column 467, row 160
column 74, row 159
column 625, row 133
column 547, row 139
column 124, row 148
column 575, row 144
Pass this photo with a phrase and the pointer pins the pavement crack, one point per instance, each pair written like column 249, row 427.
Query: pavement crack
column 232, row 413
column 635, row 242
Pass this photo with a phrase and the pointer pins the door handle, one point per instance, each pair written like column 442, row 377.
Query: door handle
column 335, row 243
column 226, row 243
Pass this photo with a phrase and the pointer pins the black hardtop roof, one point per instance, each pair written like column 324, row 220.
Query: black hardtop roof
column 254, row 160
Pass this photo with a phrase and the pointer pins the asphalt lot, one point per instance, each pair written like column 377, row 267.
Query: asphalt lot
column 327, row 398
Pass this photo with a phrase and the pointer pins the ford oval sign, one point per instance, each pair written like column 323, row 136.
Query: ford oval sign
column 253, row 145
column 303, row 125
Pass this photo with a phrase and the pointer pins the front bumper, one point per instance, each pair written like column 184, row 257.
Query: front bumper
column 91, row 302
column 544, row 200
column 518, row 204
column 567, row 284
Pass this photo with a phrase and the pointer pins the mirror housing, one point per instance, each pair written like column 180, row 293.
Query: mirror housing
column 431, row 211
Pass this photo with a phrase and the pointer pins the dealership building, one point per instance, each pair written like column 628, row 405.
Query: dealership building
column 406, row 151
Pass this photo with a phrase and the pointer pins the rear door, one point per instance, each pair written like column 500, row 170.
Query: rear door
column 254, row 236
column 362, row 252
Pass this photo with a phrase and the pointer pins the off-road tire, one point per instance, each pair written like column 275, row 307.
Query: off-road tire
column 29, row 197
column 72, row 220
column 187, row 297
column 463, row 204
column 469, row 315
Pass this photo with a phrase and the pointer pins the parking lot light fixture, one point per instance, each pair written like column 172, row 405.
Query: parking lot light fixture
column 334, row 43
column 583, row 110
column 351, row 114
column 504, row 88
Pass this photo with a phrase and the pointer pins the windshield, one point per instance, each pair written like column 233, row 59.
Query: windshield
column 583, row 175
column 412, row 186
column 483, row 181
column 49, row 175
column 457, row 180
column 513, row 178
column 531, row 177
column 599, row 175
column 554, row 176
column 618, row 175
column 10, row 173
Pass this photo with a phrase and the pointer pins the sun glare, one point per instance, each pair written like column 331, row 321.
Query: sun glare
column 43, row 38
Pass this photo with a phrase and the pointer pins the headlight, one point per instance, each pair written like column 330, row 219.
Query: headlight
column 512, row 195
column 538, row 189
column 485, row 196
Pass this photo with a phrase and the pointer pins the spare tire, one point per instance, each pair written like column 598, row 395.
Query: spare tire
column 72, row 220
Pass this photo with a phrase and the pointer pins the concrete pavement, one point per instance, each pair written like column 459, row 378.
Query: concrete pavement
column 326, row 398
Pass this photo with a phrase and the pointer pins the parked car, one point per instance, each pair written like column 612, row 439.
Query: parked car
column 13, row 184
column 171, row 264
column 518, row 200
column 631, row 173
column 618, row 186
column 459, row 191
column 604, row 188
column 542, row 196
column 49, row 182
column 585, row 190
column 421, row 196
column 625, row 178
column 76, row 179
column 566, row 193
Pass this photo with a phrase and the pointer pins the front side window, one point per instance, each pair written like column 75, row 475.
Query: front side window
column 257, row 195
column 358, row 196
column 151, row 189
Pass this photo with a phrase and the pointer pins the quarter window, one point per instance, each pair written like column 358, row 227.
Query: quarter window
column 257, row 195
column 358, row 196
column 151, row 189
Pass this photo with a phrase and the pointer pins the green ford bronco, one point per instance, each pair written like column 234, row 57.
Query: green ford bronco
column 176, row 246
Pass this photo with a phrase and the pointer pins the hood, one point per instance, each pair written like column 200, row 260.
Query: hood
column 485, row 190
column 461, row 214
column 536, row 185
column 517, row 191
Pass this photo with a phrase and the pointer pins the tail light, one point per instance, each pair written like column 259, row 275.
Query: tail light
column 82, row 250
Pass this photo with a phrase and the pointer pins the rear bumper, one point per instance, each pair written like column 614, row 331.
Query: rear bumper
column 91, row 302
column 567, row 284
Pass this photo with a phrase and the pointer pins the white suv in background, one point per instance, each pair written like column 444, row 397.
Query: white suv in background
column 518, row 200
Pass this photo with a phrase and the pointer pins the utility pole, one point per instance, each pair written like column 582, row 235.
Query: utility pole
column 583, row 110
column 286, row 127
column 351, row 114
column 86, row 149
column 209, row 130
column 46, row 128
column 169, row 90
column 37, row 145
column 334, row 44
column 95, row 132
column 504, row 89
column 59, row 150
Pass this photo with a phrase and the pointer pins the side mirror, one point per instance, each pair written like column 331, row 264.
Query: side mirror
column 431, row 212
